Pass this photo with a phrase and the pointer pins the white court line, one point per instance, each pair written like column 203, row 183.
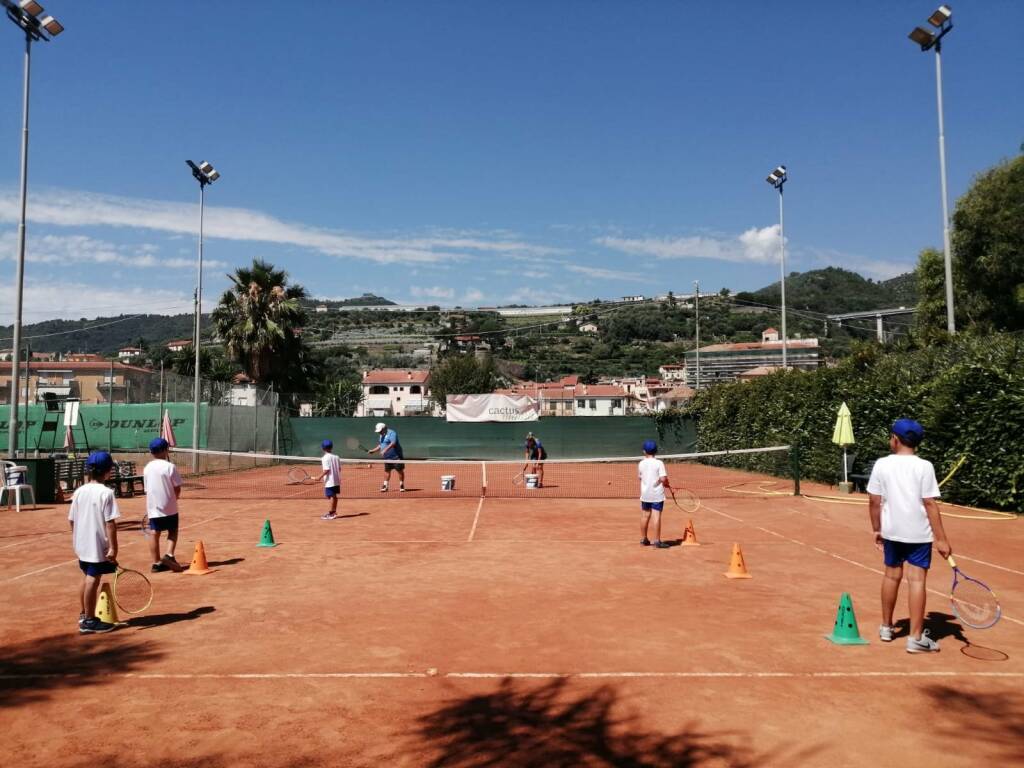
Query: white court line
column 66, row 562
column 698, row 674
column 476, row 519
column 31, row 538
column 990, row 565
column 837, row 556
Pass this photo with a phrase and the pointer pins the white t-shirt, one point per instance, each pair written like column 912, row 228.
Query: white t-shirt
column 92, row 506
column 651, row 471
column 160, row 478
column 332, row 466
column 903, row 480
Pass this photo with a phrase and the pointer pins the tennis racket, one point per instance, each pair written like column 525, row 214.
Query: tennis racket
column 299, row 476
column 353, row 443
column 973, row 602
column 132, row 591
column 684, row 499
column 519, row 477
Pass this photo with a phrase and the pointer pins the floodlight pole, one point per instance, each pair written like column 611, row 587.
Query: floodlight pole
column 696, row 310
column 946, row 246
column 195, row 343
column 782, row 270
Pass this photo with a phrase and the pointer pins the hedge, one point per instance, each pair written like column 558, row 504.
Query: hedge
column 967, row 392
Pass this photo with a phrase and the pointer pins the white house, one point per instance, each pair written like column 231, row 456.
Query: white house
column 601, row 400
column 178, row 344
column 769, row 335
column 672, row 372
column 129, row 354
column 395, row 392
column 673, row 398
column 321, row 308
column 588, row 328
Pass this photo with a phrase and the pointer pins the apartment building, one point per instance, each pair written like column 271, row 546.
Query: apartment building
column 90, row 381
column 396, row 392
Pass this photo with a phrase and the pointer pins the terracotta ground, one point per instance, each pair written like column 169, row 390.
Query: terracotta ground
column 504, row 632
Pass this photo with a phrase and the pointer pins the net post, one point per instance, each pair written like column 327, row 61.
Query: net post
column 794, row 457
column 483, row 478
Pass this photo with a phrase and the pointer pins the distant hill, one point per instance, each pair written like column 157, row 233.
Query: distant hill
column 366, row 300
column 102, row 335
column 833, row 290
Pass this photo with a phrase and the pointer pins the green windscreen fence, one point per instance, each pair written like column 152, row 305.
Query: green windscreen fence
column 428, row 438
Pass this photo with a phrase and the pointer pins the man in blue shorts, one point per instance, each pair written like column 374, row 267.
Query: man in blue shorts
column 391, row 451
column 905, row 520
column 536, row 455
column 653, row 479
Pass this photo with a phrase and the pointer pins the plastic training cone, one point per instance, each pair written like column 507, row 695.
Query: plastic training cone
column 267, row 538
column 845, row 631
column 689, row 536
column 737, row 566
column 199, row 566
column 106, row 609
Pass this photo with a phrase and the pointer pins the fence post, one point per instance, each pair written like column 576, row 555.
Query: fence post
column 110, row 409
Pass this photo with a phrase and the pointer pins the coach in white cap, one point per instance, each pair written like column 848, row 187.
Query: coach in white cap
column 391, row 451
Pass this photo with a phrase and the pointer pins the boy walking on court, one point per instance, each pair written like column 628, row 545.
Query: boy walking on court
column 94, row 534
column 162, row 483
column 653, row 479
column 331, row 476
column 905, row 519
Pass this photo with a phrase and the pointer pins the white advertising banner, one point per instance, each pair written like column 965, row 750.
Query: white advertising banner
column 491, row 408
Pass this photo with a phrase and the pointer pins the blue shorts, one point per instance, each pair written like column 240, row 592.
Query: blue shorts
column 394, row 466
column 168, row 523
column 97, row 569
column 647, row 506
column 898, row 552
column 331, row 491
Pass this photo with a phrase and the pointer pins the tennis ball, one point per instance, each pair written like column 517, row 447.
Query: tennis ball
column 609, row 482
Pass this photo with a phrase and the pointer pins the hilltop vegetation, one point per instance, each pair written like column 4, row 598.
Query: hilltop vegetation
column 834, row 291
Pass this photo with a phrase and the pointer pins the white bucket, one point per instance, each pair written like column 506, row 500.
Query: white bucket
column 531, row 480
column 447, row 482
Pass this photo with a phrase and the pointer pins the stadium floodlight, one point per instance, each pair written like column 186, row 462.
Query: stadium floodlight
column 777, row 179
column 205, row 174
column 942, row 21
column 24, row 14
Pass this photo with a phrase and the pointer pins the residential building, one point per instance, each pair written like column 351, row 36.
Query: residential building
column 672, row 372
column 588, row 328
column 178, row 345
column 601, row 400
column 82, row 357
column 756, row 373
column 396, row 392
column 89, row 382
column 129, row 354
column 769, row 335
column 632, row 298
column 725, row 362
column 675, row 397
column 321, row 308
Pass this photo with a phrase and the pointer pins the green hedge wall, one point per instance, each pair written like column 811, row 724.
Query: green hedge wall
column 967, row 392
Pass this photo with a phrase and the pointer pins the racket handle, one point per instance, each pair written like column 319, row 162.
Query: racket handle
column 951, row 561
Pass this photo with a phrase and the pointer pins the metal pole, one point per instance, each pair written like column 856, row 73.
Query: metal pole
column 19, row 279
column 110, row 409
column 696, row 308
column 782, row 267
column 947, row 250
column 199, row 314
column 160, row 413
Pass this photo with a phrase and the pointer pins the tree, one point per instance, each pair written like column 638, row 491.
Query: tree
column 461, row 375
column 339, row 398
column 257, row 318
column 930, row 318
column 212, row 366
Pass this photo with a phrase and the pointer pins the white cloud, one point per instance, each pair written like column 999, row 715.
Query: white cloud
column 432, row 292
column 472, row 296
column 879, row 269
column 601, row 273
column 754, row 245
column 80, row 209
column 71, row 300
column 81, row 249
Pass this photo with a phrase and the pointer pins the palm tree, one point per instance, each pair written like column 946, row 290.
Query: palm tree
column 257, row 319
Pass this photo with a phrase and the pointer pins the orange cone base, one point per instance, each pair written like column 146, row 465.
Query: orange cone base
column 199, row 566
column 689, row 537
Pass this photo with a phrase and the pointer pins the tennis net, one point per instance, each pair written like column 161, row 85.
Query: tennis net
column 714, row 474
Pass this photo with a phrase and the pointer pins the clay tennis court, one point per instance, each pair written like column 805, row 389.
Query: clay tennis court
column 476, row 631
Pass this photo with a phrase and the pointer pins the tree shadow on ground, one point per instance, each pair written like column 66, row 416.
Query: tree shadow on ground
column 161, row 619
column 39, row 668
column 986, row 727
column 221, row 563
column 939, row 625
column 550, row 726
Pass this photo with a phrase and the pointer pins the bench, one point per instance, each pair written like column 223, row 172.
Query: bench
column 860, row 479
column 124, row 480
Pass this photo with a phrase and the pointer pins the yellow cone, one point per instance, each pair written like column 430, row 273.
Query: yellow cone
column 106, row 610
column 690, row 536
column 737, row 565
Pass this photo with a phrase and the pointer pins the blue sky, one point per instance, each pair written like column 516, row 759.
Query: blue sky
column 484, row 152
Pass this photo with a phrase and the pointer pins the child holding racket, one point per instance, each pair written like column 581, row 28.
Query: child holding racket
column 94, row 534
column 162, row 483
column 905, row 520
column 331, row 476
column 653, row 479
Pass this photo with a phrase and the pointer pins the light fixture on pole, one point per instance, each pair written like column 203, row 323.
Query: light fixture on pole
column 696, row 313
column 777, row 179
column 205, row 174
column 942, row 21
column 25, row 14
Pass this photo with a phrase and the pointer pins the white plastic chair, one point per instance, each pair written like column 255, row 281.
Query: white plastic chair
column 14, row 485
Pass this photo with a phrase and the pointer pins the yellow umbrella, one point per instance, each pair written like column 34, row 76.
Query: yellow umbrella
column 843, row 433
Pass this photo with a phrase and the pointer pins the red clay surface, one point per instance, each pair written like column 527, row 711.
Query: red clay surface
column 472, row 633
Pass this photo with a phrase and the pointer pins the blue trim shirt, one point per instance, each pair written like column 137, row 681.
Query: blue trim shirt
column 390, row 448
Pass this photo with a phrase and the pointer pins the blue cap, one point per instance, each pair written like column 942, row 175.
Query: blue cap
column 650, row 447
column 99, row 461
column 158, row 444
column 327, row 445
column 909, row 430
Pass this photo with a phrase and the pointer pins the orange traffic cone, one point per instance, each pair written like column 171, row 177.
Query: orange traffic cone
column 199, row 566
column 689, row 536
column 737, row 567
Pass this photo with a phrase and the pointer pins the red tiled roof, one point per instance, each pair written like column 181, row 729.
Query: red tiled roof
column 396, row 376
column 677, row 393
column 91, row 365
column 599, row 390
column 761, row 370
column 744, row 346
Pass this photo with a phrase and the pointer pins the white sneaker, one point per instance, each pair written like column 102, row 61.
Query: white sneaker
column 384, row 488
column 328, row 516
column 401, row 488
column 922, row 644
column 885, row 633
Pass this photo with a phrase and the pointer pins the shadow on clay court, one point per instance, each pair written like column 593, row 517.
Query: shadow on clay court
column 36, row 669
column 221, row 563
column 162, row 619
column 989, row 727
column 939, row 626
column 550, row 725
column 353, row 514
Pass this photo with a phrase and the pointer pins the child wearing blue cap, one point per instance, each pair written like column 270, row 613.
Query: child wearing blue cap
column 94, row 534
column 905, row 520
column 331, row 476
column 653, row 479
column 163, row 488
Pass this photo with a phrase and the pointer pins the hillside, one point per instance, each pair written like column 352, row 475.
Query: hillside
column 103, row 335
column 366, row 300
column 833, row 290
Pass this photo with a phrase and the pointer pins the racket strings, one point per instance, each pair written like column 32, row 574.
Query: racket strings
column 974, row 603
column 132, row 591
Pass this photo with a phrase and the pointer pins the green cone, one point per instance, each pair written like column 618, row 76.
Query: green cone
column 267, row 539
column 845, row 631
